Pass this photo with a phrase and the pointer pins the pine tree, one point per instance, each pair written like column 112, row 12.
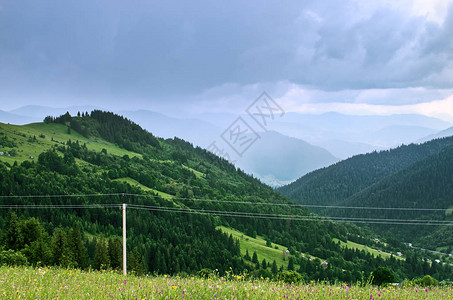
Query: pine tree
column 11, row 231
column 101, row 256
column 255, row 258
column 291, row 264
column 115, row 250
column 77, row 247
column 274, row 268
column 247, row 255
column 59, row 248
column 264, row 264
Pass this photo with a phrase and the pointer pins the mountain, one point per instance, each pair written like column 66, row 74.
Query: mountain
column 338, row 132
column 200, row 133
column 7, row 117
column 413, row 176
column 425, row 184
column 179, row 198
column 443, row 133
column 277, row 159
column 38, row 112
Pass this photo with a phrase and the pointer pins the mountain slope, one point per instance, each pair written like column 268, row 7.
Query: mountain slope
column 170, row 234
column 334, row 184
column 426, row 184
column 283, row 158
column 443, row 133
column 414, row 176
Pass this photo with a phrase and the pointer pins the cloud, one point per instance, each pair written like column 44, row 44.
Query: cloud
column 177, row 51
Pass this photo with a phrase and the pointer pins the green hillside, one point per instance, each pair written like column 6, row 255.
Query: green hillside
column 336, row 183
column 177, row 198
column 413, row 177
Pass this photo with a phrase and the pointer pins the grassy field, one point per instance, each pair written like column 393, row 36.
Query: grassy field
column 32, row 139
column 374, row 252
column 258, row 244
column 134, row 182
column 54, row 283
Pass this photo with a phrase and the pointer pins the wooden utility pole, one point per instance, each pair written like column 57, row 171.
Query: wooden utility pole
column 124, row 240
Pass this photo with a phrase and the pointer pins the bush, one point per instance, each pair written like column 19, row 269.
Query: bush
column 205, row 273
column 11, row 258
column 426, row 281
column 261, row 273
column 289, row 277
column 382, row 276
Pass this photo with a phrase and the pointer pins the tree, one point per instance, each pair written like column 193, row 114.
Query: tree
column 255, row 258
column 264, row 264
column 101, row 255
column 115, row 249
column 291, row 264
column 274, row 268
column 382, row 275
column 11, row 231
column 61, row 250
column 247, row 255
column 77, row 247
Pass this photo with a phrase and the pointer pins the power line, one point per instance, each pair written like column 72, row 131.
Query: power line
column 62, row 195
column 290, row 204
column 59, row 206
column 224, row 213
column 228, row 201
column 292, row 217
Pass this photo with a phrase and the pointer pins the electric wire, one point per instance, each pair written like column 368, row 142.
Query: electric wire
column 228, row 201
column 217, row 212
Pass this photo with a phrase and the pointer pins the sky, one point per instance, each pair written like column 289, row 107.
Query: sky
column 349, row 56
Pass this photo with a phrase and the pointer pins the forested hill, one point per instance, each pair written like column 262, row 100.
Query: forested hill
column 101, row 158
column 336, row 183
column 426, row 184
column 413, row 176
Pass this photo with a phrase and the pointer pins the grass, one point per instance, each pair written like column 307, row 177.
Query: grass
column 374, row 252
column 258, row 244
column 35, row 138
column 134, row 182
column 198, row 174
column 54, row 283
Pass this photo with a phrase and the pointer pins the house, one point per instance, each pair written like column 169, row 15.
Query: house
column 324, row 264
column 437, row 261
column 399, row 253
column 31, row 157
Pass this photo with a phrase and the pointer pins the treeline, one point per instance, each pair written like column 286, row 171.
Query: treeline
column 26, row 242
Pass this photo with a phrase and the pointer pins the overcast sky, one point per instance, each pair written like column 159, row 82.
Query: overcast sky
column 355, row 57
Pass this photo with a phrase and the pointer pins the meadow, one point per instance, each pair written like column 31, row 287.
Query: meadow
column 55, row 283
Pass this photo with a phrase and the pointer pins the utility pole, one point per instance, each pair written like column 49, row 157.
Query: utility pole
column 124, row 240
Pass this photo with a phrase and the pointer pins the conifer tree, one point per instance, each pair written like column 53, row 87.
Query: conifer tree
column 101, row 256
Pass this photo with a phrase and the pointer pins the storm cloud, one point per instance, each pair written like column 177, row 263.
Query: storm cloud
column 152, row 50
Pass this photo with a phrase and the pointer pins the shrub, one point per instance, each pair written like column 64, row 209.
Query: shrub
column 11, row 258
column 382, row 275
column 426, row 281
column 289, row 277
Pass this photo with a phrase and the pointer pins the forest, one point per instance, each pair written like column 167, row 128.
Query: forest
column 172, row 175
column 414, row 178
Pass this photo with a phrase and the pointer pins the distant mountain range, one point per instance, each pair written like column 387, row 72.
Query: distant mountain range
column 294, row 145
column 277, row 159
column 444, row 133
